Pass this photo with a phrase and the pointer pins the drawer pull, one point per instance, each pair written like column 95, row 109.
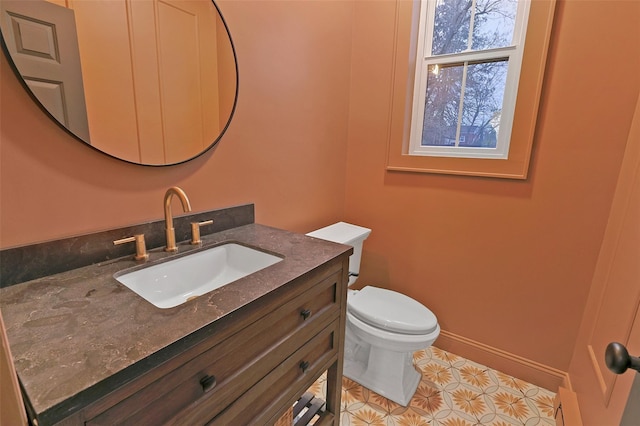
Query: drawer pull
column 304, row 365
column 306, row 313
column 208, row 383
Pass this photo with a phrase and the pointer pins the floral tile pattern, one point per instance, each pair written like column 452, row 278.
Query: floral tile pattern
column 453, row 392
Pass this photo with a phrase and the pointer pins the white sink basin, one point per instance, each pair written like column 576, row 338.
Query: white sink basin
column 174, row 282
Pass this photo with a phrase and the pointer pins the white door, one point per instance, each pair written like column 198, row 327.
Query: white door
column 152, row 84
column 611, row 314
column 41, row 38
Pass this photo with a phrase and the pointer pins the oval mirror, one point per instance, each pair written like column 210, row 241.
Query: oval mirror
column 151, row 82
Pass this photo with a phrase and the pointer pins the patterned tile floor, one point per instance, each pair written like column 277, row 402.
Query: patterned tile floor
column 453, row 392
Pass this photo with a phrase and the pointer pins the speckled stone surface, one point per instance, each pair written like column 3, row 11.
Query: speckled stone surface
column 77, row 335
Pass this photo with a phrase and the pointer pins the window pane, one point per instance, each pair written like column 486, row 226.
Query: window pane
column 482, row 105
column 441, row 105
column 484, row 87
column 451, row 26
column 493, row 25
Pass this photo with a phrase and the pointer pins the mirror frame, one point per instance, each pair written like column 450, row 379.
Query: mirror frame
column 208, row 148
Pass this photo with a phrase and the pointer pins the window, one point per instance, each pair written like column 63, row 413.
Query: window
column 467, row 72
column 470, row 101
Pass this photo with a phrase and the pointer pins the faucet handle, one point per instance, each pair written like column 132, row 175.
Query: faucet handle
column 141, row 248
column 195, row 231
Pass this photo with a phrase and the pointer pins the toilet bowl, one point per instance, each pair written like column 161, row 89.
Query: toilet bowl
column 383, row 328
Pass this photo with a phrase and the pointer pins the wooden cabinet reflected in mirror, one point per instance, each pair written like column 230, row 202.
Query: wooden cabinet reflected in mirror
column 151, row 82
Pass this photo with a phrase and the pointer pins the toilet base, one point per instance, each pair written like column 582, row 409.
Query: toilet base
column 388, row 373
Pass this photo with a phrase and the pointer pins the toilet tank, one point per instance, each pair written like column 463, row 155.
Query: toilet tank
column 346, row 233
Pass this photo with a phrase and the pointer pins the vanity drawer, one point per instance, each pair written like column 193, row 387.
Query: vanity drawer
column 267, row 397
column 213, row 379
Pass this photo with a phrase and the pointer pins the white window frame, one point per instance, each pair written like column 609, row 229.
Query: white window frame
column 513, row 53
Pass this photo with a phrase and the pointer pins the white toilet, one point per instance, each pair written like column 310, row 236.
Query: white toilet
column 384, row 327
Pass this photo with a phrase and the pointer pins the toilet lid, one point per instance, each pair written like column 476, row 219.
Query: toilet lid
column 391, row 310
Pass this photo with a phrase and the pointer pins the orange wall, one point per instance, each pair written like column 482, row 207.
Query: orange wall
column 503, row 262
column 506, row 263
column 284, row 151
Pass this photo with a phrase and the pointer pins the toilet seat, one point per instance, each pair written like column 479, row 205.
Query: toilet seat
column 397, row 342
column 391, row 311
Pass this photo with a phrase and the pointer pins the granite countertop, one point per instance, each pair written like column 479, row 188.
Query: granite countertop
column 73, row 331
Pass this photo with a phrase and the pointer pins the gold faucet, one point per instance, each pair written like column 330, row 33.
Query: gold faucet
column 168, row 217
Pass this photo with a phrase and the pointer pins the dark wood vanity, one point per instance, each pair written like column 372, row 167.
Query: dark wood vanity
column 251, row 370
column 241, row 354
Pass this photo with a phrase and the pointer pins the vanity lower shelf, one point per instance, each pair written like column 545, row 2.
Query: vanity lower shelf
column 309, row 408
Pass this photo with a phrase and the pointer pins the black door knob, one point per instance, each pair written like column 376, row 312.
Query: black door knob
column 618, row 359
